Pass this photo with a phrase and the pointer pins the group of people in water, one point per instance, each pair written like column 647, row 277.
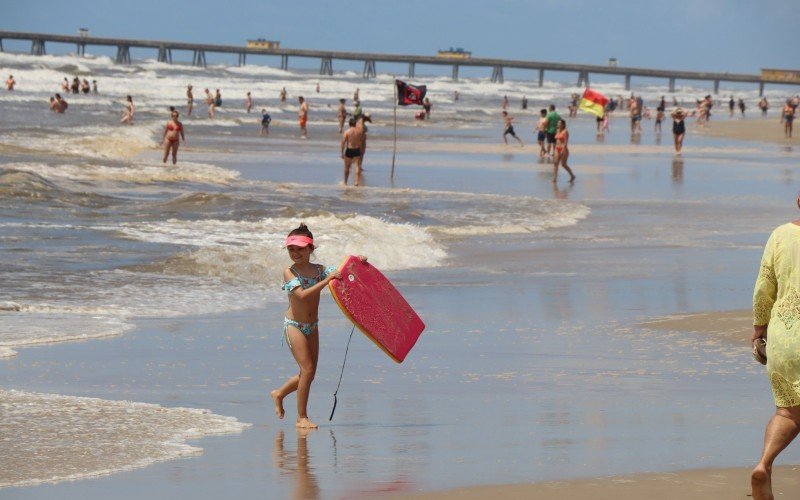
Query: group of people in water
column 78, row 86
column 553, row 136
column 551, row 128
column 57, row 103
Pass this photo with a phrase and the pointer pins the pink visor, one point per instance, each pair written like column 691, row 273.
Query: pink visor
column 298, row 241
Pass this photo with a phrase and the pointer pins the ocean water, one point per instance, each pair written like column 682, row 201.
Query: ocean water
column 96, row 234
column 94, row 230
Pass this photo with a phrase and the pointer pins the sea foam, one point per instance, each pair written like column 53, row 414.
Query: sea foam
column 49, row 438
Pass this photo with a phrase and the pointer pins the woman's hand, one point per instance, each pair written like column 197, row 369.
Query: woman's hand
column 759, row 332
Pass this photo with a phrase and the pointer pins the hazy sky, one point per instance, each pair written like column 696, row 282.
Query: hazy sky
column 737, row 36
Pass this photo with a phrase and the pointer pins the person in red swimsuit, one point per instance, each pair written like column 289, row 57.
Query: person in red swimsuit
column 302, row 116
column 173, row 133
column 562, row 150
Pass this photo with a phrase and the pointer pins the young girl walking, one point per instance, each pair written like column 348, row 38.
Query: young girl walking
column 304, row 282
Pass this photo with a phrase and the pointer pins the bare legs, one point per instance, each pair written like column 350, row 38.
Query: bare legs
column 348, row 162
column 782, row 428
column 505, row 140
column 678, row 142
column 305, row 350
column 170, row 145
column 358, row 162
column 561, row 159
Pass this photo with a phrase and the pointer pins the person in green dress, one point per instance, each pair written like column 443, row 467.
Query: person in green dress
column 776, row 317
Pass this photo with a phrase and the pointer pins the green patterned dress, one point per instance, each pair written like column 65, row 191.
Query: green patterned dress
column 776, row 302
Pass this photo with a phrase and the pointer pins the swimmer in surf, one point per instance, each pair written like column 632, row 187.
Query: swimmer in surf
column 173, row 133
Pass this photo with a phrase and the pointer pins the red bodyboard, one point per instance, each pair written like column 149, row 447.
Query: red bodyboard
column 374, row 305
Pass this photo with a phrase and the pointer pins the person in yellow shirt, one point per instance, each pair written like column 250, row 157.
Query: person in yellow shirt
column 776, row 317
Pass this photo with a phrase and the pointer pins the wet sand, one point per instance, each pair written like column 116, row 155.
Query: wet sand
column 705, row 484
column 752, row 129
column 733, row 326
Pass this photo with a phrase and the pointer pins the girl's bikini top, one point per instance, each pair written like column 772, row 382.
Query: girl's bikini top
column 303, row 282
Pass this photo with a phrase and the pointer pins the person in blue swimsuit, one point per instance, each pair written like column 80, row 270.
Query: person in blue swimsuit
column 303, row 282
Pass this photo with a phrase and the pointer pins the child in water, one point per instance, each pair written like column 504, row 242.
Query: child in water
column 265, row 121
column 304, row 282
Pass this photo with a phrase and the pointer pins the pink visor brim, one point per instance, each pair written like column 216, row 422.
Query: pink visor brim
column 298, row 241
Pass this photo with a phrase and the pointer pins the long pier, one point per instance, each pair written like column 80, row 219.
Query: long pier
column 326, row 57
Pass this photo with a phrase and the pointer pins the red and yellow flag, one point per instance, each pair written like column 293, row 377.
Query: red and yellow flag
column 593, row 102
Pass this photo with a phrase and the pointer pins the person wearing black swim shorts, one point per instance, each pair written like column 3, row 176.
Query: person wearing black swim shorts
column 351, row 148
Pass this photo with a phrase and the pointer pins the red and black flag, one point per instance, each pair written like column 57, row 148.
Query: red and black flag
column 410, row 94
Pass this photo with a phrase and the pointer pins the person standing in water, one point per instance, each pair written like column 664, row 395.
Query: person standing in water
column 678, row 129
column 10, row 82
column 265, row 121
column 763, row 105
column 248, row 102
column 303, row 282
column 351, row 147
column 552, row 125
column 562, row 150
column 60, row 104
column 173, row 133
column 189, row 100
column 787, row 115
column 127, row 116
column 302, row 116
column 210, row 102
column 659, row 119
column 541, row 132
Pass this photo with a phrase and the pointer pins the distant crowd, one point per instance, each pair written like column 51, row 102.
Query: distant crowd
column 551, row 129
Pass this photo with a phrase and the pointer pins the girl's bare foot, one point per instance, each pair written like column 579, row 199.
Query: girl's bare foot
column 278, row 404
column 305, row 423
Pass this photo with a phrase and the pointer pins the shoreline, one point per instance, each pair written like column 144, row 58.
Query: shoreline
column 696, row 484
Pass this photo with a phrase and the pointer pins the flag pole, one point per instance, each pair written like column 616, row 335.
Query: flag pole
column 394, row 149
